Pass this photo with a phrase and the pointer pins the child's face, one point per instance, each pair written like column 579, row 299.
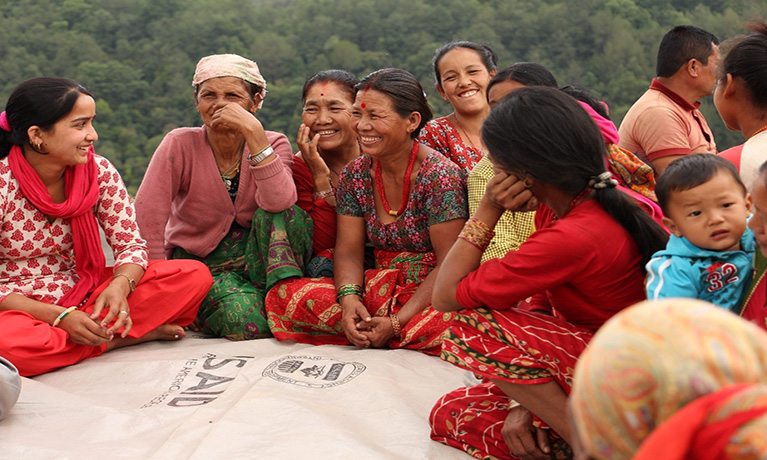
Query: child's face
column 712, row 215
column 758, row 223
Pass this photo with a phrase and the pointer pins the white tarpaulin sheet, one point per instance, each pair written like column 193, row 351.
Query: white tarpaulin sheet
column 206, row 398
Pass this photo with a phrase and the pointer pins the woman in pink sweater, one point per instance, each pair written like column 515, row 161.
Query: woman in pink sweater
column 223, row 193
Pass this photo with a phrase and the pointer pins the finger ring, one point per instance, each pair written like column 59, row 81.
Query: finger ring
column 124, row 311
column 309, row 141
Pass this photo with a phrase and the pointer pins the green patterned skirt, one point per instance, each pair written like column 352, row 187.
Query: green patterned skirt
column 245, row 265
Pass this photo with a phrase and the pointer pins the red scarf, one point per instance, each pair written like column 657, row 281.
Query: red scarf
column 82, row 190
column 686, row 434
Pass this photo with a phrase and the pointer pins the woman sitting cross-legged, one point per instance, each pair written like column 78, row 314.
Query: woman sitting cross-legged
column 578, row 269
column 58, row 302
column 409, row 202
column 223, row 193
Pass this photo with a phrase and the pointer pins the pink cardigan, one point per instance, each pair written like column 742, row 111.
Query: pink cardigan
column 182, row 201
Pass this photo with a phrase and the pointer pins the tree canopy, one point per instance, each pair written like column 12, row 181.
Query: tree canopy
column 138, row 56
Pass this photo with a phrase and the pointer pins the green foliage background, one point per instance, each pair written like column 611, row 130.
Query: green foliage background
column 138, row 56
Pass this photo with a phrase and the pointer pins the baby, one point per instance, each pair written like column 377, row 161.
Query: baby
column 709, row 254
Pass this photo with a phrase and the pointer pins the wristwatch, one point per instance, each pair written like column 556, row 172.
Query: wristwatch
column 261, row 156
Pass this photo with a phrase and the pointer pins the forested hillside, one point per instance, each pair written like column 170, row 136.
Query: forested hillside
column 138, row 56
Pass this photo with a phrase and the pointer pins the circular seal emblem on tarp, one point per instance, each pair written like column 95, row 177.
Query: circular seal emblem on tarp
column 313, row 371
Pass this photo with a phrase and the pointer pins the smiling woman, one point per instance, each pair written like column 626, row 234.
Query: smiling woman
column 327, row 142
column 462, row 71
column 409, row 202
column 58, row 302
column 223, row 193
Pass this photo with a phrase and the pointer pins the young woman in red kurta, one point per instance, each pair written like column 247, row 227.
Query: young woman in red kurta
column 58, row 302
column 577, row 270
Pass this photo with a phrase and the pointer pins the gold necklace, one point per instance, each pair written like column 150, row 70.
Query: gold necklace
column 232, row 171
column 464, row 135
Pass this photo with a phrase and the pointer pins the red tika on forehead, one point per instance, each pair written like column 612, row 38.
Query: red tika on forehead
column 364, row 92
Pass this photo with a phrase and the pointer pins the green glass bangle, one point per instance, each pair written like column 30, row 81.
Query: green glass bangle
column 348, row 289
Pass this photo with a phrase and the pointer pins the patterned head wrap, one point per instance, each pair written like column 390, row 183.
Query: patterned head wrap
column 229, row 65
column 655, row 358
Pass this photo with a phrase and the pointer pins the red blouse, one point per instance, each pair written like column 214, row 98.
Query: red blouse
column 584, row 267
column 321, row 212
column 442, row 136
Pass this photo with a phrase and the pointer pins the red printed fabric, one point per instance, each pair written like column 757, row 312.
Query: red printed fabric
column 442, row 136
column 471, row 418
column 169, row 293
column 37, row 258
column 305, row 309
column 515, row 346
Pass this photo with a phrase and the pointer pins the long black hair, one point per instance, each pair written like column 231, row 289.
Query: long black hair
column 526, row 73
column 546, row 133
column 746, row 57
column 37, row 102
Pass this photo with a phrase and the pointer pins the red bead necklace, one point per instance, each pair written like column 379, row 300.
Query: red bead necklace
column 405, row 186
column 581, row 197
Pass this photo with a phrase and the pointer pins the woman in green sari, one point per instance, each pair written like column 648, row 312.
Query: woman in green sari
column 223, row 193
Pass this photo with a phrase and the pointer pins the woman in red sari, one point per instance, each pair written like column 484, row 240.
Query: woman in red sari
column 59, row 304
column 405, row 199
column 582, row 265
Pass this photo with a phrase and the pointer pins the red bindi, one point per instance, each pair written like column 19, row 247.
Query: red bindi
column 364, row 92
column 322, row 94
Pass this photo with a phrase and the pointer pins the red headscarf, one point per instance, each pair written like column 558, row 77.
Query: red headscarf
column 82, row 190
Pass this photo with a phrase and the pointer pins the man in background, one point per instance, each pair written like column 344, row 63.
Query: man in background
column 665, row 123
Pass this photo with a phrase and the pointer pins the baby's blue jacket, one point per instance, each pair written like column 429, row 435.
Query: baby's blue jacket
column 685, row 270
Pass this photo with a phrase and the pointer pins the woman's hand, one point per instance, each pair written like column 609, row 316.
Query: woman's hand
column 236, row 118
column 506, row 192
column 378, row 331
column 114, row 298
column 525, row 441
column 354, row 313
column 83, row 330
column 308, row 147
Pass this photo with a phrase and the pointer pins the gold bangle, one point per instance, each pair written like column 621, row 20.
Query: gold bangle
column 131, row 282
column 477, row 233
column 396, row 326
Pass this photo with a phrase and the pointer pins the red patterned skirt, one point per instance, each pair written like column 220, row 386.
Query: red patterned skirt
column 510, row 345
column 305, row 309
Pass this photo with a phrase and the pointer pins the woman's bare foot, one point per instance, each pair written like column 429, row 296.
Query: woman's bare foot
column 163, row 332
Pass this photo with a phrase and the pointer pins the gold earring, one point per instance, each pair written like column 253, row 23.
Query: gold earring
column 528, row 182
